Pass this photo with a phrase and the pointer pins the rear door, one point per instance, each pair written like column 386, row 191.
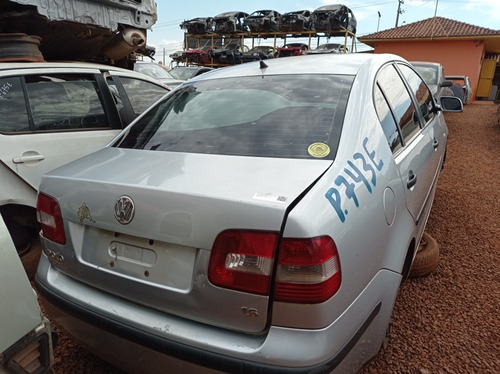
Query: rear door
column 418, row 159
column 49, row 117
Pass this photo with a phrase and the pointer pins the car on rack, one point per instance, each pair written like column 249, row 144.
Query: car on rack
column 52, row 113
column 262, row 21
column 200, row 25
column 464, row 83
column 296, row 21
column 328, row 48
column 334, row 20
column 292, row 49
column 260, row 52
column 252, row 220
column 230, row 22
column 433, row 74
column 27, row 340
column 228, row 53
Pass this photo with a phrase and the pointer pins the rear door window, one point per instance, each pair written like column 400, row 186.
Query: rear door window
column 13, row 110
column 142, row 94
column 399, row 101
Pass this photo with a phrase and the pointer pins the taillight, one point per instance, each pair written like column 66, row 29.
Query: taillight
column 50, row 218
column 308, row 270
column 243, row 260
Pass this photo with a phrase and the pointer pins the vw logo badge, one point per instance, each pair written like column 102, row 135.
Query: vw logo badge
column 124, row 210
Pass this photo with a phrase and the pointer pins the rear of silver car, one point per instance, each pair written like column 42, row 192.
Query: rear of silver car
column 164, row 253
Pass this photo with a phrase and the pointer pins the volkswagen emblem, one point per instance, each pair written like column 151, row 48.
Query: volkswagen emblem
column 124, row 210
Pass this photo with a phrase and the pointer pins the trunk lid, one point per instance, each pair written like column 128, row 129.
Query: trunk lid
column 182, row 202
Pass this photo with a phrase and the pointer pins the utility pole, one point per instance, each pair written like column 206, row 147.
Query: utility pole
column 400, row 11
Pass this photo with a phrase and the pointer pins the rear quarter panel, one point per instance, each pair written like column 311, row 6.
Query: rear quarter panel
column 374, row 235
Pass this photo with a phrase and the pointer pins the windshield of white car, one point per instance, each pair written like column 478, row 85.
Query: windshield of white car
column 267, row 116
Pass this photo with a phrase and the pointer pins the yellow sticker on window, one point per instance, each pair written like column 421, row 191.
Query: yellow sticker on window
column 319, row 150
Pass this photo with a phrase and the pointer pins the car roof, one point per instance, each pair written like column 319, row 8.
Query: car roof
column 61, row 64
column 425, row 63
column 341, row 64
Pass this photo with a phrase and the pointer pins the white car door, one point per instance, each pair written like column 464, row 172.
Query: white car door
column 49, row 118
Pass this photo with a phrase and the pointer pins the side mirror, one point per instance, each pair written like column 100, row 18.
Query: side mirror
column 451, row 104
column 447, row 84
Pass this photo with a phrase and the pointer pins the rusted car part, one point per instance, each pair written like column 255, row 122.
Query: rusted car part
column 299, row 20
column 87, row 30
column 332, row 19
column 20, row 47
column 200, row 25
column 261, row 52
column 230, row 22
column 263, row 21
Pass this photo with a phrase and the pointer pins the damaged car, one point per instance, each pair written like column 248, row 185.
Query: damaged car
column 292, row 49
column 263, row 21
column 261, row 52
column 230, row 22
column 200, row 25
column 332, row 19
column 328, row 48
column 254, row 220
column 299, row 20
column 228, row 53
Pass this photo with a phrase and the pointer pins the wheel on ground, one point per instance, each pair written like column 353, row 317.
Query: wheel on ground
column 427, row 257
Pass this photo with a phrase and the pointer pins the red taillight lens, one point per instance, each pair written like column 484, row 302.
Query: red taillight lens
column 308, row 270
column 243, row 260
column 50, row 218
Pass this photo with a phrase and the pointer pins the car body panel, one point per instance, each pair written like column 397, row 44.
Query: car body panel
column 21, row 320
column 230, row 22
column 355, row 193
column 331, row 19
column 263, row 21
column 298, row 20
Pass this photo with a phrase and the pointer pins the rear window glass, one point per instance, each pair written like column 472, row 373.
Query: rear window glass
column 268, row 116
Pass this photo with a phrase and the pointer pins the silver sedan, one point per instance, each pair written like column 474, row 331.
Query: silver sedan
column 259, row 218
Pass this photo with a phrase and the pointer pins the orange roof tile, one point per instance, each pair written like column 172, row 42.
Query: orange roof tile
column 435, row 27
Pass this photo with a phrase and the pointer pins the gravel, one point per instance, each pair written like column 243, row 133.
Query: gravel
column 448, row 321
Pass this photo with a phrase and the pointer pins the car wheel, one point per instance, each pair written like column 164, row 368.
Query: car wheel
column 427, row 257
column 31, row 257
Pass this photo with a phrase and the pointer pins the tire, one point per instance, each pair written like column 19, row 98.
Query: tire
column 31, row 257
column 427, row 257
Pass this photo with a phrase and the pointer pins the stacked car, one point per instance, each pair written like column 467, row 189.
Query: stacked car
column 329, row 19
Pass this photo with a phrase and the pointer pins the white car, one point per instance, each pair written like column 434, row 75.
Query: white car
column 26, row 338
column 259, row 218
column 51, row 114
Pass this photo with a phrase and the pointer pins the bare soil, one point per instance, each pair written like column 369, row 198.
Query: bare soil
column 448, row 321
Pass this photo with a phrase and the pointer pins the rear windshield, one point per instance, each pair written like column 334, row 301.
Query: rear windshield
column 297, row 116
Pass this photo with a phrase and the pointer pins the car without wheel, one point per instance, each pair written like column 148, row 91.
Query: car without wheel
column 263, row 21
column 273, row 239
column 52, row 113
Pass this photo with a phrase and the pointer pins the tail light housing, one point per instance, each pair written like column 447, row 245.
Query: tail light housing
column 308, row 270
column 243, row 260
column 49, row 216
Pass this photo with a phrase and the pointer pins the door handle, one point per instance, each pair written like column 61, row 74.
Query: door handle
column 23, row 159
column 412, row 180
column 435, row 144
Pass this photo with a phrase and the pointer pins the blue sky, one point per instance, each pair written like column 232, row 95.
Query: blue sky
column 167, row 37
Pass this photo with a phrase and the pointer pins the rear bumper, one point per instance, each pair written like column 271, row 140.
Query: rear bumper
column 107, row 334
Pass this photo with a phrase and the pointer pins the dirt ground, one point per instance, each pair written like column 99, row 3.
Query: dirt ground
column 449, row 321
